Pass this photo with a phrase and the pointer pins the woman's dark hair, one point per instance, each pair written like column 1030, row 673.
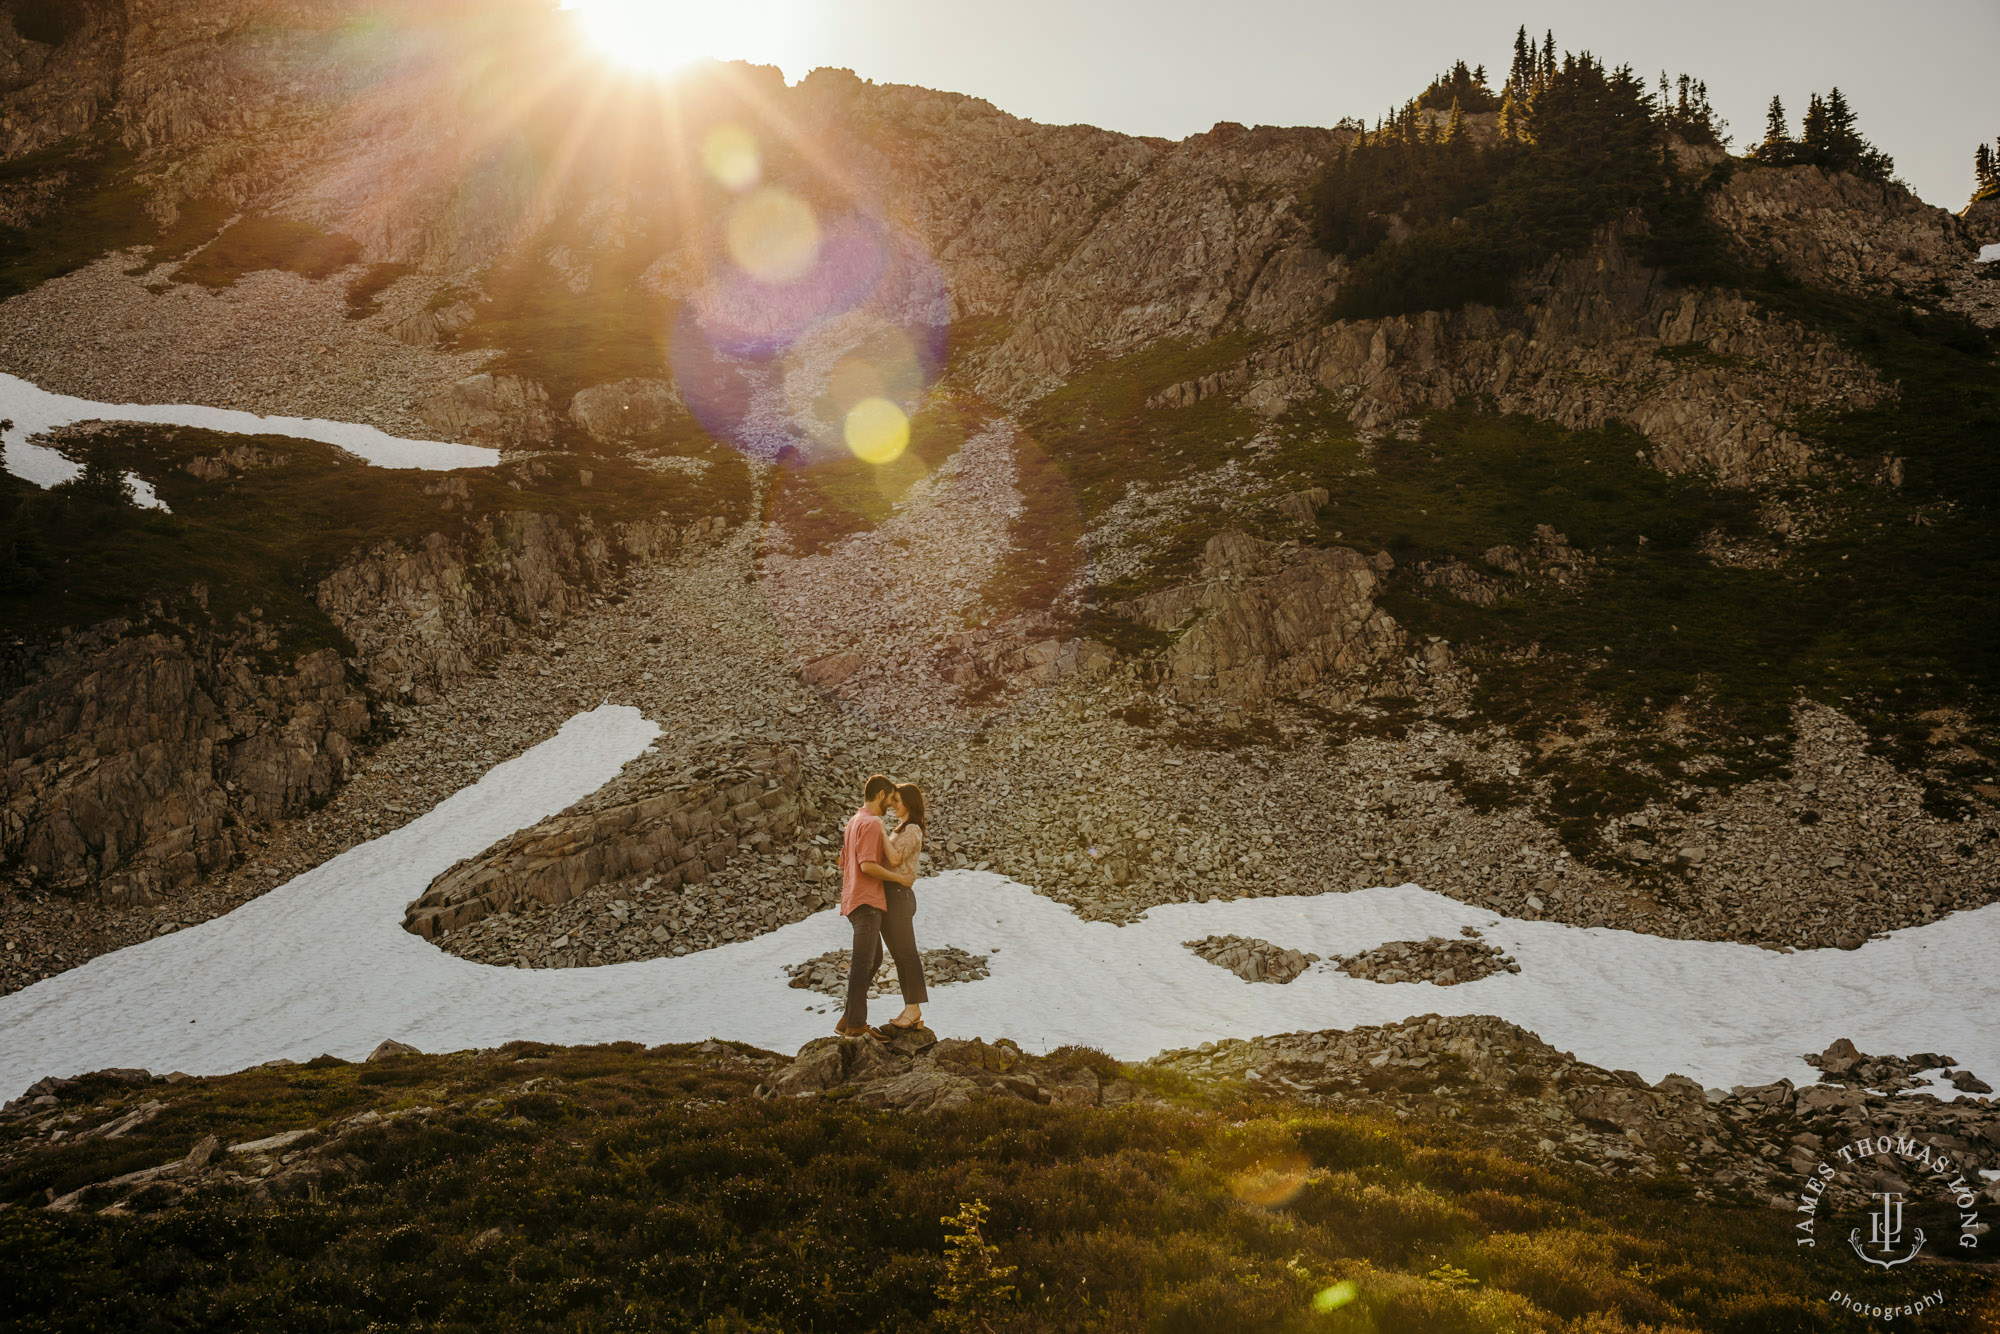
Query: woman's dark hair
column 913, row 798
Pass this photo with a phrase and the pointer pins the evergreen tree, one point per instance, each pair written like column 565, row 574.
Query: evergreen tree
column 1776, row 150
column 975, row 1292
column 1841, row 144
column 1684, row 110
column 1521, row 74
column 1828, row 139
column 101, row 483
column 23, row 551
column 1985, row 181
column 1515, row 93
column 1812, row 130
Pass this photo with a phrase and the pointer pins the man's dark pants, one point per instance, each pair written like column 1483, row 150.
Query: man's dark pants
column 864, row 964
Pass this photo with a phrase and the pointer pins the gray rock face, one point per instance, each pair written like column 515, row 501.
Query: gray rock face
column 1088, row 244
column 136, row 761
column 1270, row 619
column 502, row 410
column 132, row 760
column 1982, row 221
column 426, row 328
column 1704, row 374
column 1027, row 650
column 422, row 616
column 54, row 89
column 1297, row 283
column 1836, row 230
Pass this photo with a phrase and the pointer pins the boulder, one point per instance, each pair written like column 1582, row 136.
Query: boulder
column 1840, row 1057
column 502, row 410
column 1268, row 619
column 625, row 409
column 820, row 1065
column 390, row 1047
column 920, row 1089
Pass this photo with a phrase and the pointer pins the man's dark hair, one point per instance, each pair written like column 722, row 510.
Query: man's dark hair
column 877, row 785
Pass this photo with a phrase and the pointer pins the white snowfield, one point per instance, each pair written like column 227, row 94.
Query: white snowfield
column 321, row 964
column 34, row 410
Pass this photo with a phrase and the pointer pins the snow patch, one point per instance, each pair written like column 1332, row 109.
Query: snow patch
column 322, row 964
column 34, row 411
column 1988, row 254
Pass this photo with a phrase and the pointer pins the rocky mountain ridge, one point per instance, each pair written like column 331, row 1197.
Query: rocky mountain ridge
column 1278, row 657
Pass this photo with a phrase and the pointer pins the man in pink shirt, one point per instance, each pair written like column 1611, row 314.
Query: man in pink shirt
column 863, row 903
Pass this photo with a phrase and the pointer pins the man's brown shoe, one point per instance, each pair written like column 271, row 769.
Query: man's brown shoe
column 861, row 1032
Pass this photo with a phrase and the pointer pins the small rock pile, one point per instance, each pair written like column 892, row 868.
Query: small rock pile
column 827, row 973
column 1437, row 960
column 1845, row 1064
column 1252, row 959
column 913, row 1071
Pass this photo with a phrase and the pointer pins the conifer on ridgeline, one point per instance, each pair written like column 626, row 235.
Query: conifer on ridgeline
column 1985, row 172
column 1777, row 148
column 1828, row 139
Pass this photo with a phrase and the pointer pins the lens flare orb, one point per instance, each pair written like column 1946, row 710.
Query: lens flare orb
column 731, row 156
column 1334, row 1297
column 773, row 236
column 877, row 431
column 1272, row 1183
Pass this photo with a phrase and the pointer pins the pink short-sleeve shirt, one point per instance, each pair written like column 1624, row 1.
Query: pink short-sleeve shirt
column 863, row 842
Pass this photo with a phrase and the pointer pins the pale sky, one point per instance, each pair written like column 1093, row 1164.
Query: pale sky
column 1919, row 73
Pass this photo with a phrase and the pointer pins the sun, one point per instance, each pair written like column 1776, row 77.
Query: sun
column 663, row 35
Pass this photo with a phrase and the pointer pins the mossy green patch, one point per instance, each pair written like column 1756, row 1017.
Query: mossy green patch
column 628, row 1188
column 364, row 294
column 257, row 243
column 1097, row 427
column 546, row 330
column 252, row 545
column 82, row 200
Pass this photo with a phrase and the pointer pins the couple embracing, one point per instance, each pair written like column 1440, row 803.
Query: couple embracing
column 877, row 872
